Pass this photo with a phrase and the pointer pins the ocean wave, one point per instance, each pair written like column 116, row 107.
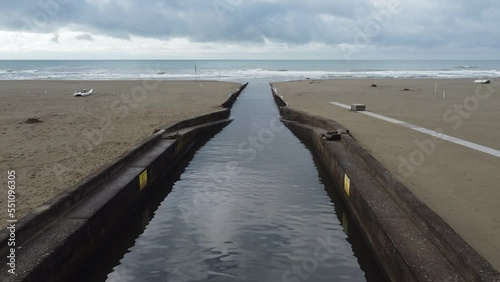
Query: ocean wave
column 366, row 70
column 245, row 74
column 467, row 67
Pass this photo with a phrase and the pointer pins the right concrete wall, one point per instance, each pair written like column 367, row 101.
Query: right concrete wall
column 409, row 240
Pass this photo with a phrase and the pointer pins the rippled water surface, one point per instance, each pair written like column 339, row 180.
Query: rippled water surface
column 250, row 206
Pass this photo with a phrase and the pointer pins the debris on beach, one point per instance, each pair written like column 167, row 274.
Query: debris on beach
column 482, row 81
column 373, row 85
column 32, row 121
column 358, row 107
column 83, row 93
column 332, row 135
column 407, row 89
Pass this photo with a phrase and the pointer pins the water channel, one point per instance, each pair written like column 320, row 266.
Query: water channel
column 252, row 204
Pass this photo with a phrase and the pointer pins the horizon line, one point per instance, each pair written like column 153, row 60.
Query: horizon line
column 319, row 60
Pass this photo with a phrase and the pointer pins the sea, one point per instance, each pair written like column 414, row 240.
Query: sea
column 244, row 69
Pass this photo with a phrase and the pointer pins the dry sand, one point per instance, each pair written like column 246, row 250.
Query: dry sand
column 78, row 135
column 460, row 184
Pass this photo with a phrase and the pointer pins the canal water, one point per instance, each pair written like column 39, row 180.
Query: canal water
column 252, row 204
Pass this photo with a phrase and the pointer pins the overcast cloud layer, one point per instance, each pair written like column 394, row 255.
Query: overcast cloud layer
column 458, row 27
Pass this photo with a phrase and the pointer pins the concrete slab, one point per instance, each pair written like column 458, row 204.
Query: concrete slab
column 426, row 262
column 101, row 197
column 57, row 241
column 375, row 197
column 153, row 154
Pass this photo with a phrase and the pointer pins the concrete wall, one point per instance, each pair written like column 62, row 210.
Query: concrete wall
column 222, row 114
column 410, row 242
column 57, row 238
column 229, row 103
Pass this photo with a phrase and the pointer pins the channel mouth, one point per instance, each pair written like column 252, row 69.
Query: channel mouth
column 252, row 205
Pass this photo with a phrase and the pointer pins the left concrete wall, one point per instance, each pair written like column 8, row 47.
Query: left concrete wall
column 54, row 242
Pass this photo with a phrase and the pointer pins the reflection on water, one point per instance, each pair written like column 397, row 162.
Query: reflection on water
column 252, row 205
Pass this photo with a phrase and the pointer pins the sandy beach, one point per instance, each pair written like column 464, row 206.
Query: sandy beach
column 53, row 140
column 459, row 183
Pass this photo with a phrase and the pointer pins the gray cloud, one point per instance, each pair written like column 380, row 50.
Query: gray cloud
column 84, row 37
column 424, row 23
column 55, row 38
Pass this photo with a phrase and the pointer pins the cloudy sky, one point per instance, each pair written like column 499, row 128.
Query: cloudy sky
column 249, row 29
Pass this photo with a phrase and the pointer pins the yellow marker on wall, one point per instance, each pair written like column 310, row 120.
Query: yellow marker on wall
column 143, row 180
column 347, row 185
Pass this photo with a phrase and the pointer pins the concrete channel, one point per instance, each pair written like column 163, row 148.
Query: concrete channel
column 253, row 204
column 54, row 241
column 409, row 240
column 290, row 193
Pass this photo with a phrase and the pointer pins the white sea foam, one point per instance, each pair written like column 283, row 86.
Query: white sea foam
column 228, row 74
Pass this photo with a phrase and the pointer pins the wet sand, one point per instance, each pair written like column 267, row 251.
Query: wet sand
column 462, row 185
column 78, row 135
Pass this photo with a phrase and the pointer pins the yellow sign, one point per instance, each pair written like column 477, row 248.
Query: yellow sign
column 347, row 185
column 143, row 180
